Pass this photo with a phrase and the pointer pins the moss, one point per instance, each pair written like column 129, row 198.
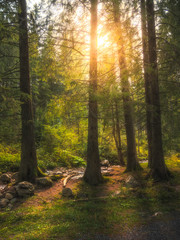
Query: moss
column 40, row 173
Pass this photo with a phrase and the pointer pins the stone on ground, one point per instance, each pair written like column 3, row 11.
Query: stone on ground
column 5, row 178
column 25, row 189
column 4, row 202
column 8, row 196
column 67, row 192
column 105, row 163
column 44, row 182
column 131, row 181
column 12, row 190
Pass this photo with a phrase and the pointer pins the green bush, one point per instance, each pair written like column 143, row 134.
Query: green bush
column 58, row 158
column 9, row 159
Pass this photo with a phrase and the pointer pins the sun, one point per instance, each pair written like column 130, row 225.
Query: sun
column 103, row 41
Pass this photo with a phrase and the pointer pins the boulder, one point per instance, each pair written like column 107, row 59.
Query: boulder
column 44, row 182
column 4, row 202
column 5, row 178
column 105, row 163
column 12, row 191
column 131, row 181
column 25, row 189
column 67, row 192
column 8, row 196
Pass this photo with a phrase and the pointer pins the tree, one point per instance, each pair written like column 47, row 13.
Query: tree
column 9, row 74
column 93, row 170
column 168, row 43
column 132, row 163
column 117, row 133
column 158, row 167
column 28, row 165
column 147, row 81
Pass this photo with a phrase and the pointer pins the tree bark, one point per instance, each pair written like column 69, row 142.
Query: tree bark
column 158, row 168
column 148, row 97
column 132, row 163
column 93, row 170
column 28, row 165
column 117, row 134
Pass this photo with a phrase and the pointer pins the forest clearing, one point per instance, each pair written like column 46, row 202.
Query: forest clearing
column 89, row 119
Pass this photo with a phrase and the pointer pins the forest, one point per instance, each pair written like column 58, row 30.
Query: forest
column 89, row 112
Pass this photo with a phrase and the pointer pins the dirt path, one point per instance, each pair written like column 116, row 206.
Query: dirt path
column 47, row 195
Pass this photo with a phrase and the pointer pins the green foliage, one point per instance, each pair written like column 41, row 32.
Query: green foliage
column 9, row 159
column 173, row 161
column 58, row 158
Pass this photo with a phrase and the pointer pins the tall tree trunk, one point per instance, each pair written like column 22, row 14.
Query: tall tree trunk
column 93, row 170
column 132, row 163
column 158, row 167
column 147, row 81
column 28, row 165
column 117, row 134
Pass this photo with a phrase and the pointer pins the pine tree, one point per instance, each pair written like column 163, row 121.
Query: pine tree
column 28, row 165
column 93, row 171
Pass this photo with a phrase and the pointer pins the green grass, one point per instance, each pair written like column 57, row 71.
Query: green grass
column 69, row 219
column 10, row 159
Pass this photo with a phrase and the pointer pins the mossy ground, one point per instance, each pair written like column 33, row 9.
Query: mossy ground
column 69, row 219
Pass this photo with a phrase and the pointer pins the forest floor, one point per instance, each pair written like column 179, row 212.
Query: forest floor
column 111, row 211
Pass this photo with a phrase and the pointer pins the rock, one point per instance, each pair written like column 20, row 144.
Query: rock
column 4, row 202
column 25, row 189
column 67, row 192
column 5, row 178
column 57, row 173
column 10, row 206
column 107, row 173
column 131, row 181
column 157, row 214
column 13, row 200
column 2, row 187
column 44, row 182
column 8, row 196
column 105, row 163
column 77, row 177
column 12, row 191
column 1, row 195
column 15, row 176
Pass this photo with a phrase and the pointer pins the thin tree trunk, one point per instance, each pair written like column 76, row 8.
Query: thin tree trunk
column 132, row 163
column 28, row 165
column 158, row 168
column 147, row 81
column 117, row 135
column 93, row 170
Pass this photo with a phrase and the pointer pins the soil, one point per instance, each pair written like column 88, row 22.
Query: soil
column 47, row 195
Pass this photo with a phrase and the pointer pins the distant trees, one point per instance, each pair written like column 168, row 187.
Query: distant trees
column 72, row 89
column 9, row 74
